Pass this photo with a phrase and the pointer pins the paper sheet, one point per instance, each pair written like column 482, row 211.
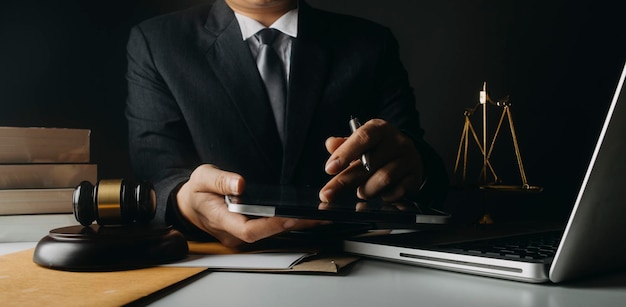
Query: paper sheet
column 260, row 261
column 325, row 263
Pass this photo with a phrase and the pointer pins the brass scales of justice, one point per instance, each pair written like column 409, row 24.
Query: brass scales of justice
column 486, row 148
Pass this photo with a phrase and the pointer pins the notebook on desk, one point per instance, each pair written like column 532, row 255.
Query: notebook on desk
column 591, row 242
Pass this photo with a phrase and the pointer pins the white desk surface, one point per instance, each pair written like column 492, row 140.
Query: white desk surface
column 378, row 283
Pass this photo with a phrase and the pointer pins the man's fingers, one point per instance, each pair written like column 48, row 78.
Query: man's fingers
column 332, row 143
column 400, row 190
column 388, row 176
column 366, row 137
column 306, row 224
column 230, row 240
column 252, row 230
column 361, row 206
column 204, row 206
column 234, row 229
column 347, row 180
column 209, row 179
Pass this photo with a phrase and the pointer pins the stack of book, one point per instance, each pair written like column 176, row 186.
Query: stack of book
column 39, row 169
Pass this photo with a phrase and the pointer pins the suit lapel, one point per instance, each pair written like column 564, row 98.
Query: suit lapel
column 309, row 68
column 229, row 56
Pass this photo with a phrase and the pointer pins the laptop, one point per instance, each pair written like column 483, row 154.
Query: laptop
column 591, row 242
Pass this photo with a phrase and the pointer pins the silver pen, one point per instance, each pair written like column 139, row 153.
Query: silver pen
column 365, row 157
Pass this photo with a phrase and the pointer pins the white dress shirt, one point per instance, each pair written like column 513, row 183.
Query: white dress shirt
column 286, row 24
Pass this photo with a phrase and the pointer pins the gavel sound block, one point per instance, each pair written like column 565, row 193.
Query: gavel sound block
column 123, row 237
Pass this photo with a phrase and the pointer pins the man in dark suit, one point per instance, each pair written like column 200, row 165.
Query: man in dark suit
column 209, row 105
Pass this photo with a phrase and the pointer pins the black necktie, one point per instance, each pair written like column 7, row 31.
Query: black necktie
column 273, row 75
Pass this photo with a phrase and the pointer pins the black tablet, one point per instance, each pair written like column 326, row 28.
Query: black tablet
column 304, row 203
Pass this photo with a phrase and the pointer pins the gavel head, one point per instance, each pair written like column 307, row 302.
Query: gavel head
column 114, row 202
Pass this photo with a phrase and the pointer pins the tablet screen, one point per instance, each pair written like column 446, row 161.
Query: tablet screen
column 303, row 202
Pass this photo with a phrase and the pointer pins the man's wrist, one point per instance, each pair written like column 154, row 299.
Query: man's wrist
column 434, row 186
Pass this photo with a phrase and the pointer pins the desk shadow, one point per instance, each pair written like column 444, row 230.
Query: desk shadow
column 609, row 280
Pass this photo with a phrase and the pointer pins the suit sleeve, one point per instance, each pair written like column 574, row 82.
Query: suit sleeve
column 161, row 149
column 398, row 107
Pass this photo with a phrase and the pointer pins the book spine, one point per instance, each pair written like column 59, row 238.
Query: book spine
column 36, row 201
column 44, row 145
column 42, row 176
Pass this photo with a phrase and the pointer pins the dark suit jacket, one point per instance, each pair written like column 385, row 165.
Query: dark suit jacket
column 196, row 96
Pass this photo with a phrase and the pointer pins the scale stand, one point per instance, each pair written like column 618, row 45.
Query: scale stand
column 486, row 149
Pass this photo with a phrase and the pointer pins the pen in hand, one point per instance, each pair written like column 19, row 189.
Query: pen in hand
column 365, row 158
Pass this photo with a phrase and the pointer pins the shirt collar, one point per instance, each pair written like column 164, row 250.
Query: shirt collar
column 287, row 24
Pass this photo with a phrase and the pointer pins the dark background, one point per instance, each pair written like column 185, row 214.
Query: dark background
column 62, row 64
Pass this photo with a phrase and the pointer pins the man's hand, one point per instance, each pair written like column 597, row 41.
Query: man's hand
column 396, row 168
column 201, row 201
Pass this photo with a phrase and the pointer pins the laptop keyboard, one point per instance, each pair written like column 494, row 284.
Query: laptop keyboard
column 527, row 247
